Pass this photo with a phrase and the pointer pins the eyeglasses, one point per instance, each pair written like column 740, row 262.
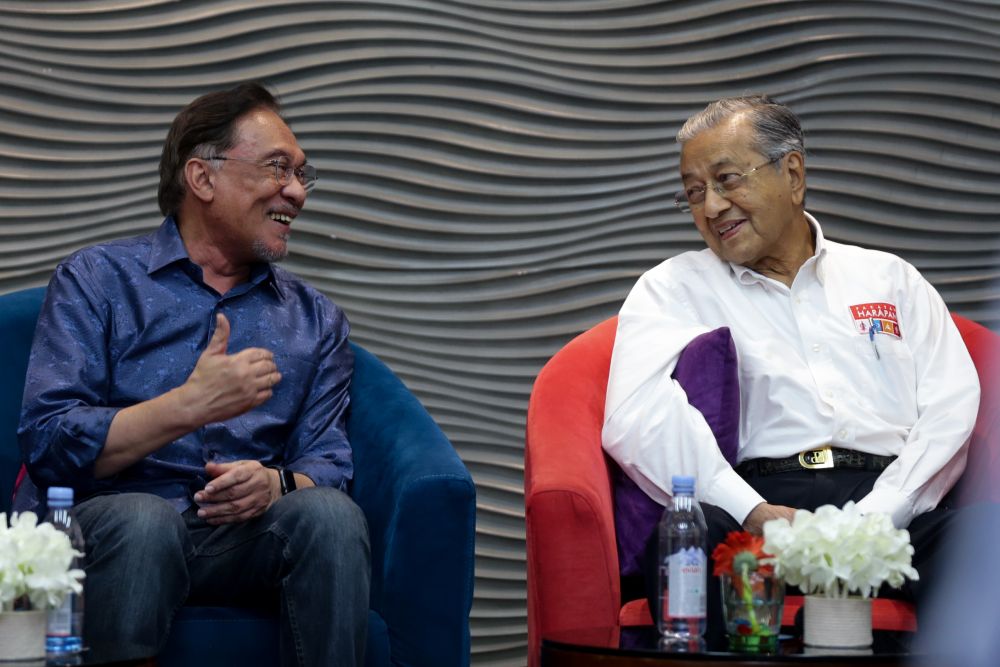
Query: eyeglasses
column 727, row 187
column 283, row 172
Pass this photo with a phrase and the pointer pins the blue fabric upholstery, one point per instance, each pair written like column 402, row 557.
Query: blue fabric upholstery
column 417, row 495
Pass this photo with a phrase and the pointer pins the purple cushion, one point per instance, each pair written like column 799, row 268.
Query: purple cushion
column 707, row 370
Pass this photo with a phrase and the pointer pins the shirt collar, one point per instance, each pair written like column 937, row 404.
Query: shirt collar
column 168, row 247
column 747, row 276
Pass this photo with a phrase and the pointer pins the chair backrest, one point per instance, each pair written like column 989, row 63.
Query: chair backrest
column 18, row 314
column 981, row 480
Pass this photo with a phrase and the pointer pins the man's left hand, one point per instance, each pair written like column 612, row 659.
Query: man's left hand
column 239, row 490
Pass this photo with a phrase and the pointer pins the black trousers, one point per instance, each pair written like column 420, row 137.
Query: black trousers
column 810, row 489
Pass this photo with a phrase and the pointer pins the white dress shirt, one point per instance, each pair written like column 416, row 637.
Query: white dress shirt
column 810, row 374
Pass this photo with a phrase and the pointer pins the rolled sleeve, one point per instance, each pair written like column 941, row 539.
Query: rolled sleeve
column 64, row 416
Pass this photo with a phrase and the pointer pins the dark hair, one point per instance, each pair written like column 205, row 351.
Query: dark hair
column 205, row 128
column 776, row 129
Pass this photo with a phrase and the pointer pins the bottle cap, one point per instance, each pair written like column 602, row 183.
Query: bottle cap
column 61, row 496
column 683, row 484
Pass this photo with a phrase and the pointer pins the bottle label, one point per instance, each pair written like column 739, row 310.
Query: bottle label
column 687, row 595
column 60, row 621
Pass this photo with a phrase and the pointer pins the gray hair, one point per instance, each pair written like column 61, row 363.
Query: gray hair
column 776, row 129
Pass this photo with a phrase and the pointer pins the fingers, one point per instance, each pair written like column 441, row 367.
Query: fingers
column 220, row 338
column 231, row 512
column 261, row 365
column 227, row 475
column 239, row 490
column 222, row 386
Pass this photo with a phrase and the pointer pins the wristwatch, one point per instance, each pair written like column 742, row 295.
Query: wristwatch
column 287, row 479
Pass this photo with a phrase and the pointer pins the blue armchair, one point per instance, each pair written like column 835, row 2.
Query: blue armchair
column 417, row 495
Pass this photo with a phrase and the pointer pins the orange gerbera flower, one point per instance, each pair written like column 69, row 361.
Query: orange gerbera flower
column 744, row 548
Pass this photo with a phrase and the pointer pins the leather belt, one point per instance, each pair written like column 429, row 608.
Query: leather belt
column 823, row 458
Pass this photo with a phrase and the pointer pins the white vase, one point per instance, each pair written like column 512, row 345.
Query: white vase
column 22, row 635
column 837, row 622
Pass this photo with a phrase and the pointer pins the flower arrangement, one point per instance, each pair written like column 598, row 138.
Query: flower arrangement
column 835, row 552
column 35, row 564
column 741, row 553
column 752, row 595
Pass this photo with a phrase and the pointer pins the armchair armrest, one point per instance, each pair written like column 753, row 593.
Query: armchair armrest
column 573, row 569
column 419, row 501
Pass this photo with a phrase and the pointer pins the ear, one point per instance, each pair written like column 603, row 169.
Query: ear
column 199, row 179
column 797, row 177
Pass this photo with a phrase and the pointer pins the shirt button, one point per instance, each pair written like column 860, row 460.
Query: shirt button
column 817, row 347
column 828, row 393
column 842, row 435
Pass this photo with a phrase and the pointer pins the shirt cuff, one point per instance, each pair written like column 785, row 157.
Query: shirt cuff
column 731, row 493
column 80, row 440
column 890, row 502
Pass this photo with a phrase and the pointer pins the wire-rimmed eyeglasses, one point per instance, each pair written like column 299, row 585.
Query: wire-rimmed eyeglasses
column 283, row 172
column 728, row 185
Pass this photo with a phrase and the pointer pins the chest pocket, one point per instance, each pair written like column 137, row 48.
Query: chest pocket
column 893, row 366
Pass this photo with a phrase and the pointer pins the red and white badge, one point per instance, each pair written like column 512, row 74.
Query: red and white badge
column 879, row 316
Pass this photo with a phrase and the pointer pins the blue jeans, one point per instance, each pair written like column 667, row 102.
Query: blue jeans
column 307, row 555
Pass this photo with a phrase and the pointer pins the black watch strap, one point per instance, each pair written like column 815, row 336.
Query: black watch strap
column 287, row 479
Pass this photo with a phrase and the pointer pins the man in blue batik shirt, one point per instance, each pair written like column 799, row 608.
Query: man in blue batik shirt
column 194, row 395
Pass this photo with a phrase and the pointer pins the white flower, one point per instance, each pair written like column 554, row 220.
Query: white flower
column 35, row 563
column 836, row 552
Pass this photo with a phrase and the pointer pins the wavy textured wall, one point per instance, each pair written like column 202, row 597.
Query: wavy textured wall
column 496, row 174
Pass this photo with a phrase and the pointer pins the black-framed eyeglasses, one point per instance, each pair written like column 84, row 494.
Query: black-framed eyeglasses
column 728, row 186
column 283, row 172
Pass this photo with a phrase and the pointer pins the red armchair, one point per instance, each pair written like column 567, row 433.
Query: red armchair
column 573, row 568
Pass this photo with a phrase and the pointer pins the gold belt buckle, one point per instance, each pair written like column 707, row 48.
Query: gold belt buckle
column 816, row 459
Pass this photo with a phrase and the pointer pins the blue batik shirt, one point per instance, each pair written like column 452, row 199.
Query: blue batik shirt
column 126, row 321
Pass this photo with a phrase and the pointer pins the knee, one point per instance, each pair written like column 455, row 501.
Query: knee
column 137, row 524
column 323, row 515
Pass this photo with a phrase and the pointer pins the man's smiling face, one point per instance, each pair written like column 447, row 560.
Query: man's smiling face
column 254, row 212
column 750, row 225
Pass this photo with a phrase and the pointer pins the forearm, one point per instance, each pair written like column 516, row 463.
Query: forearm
column 658, row 434
column 141, row 429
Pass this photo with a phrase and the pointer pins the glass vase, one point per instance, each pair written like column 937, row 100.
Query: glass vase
column 751, row 607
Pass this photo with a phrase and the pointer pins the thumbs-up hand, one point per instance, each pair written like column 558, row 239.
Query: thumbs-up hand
column 223, row 385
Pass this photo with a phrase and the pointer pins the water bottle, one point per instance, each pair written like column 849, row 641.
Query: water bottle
column 683, row 570
column 64, row 634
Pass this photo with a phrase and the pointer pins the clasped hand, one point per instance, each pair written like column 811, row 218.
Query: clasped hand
column 764, row 512
column 238, row 491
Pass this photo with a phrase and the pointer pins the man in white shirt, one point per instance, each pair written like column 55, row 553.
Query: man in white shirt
column 846, row 355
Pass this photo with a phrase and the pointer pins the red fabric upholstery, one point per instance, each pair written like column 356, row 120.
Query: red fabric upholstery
column 982, row 471
column 573, row 571
column 573, row 575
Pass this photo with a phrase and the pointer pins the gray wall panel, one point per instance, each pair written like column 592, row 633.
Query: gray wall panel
column 495, row 175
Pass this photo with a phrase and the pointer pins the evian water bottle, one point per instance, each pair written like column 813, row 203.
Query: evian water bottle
column 64, row 635
column 683, row 565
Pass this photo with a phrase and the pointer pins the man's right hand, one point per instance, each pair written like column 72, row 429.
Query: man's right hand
column 222, row 385
column 754, row 523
